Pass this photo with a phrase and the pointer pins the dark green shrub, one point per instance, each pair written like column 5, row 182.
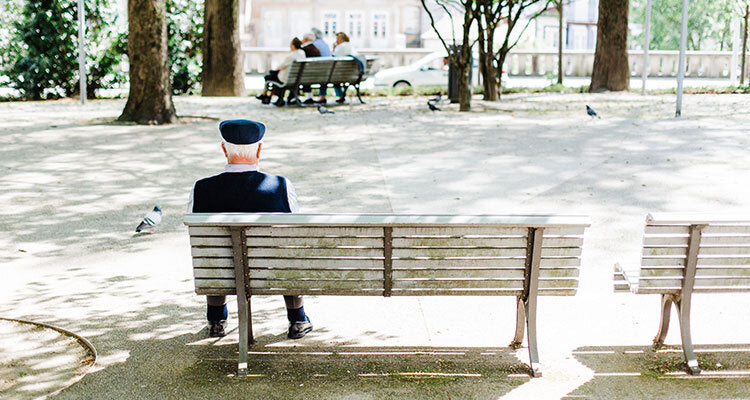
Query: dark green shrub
column 185, row 40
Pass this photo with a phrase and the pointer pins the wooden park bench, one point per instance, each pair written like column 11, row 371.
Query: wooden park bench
column 387, row 255
column 685, row 254
column 324, row 72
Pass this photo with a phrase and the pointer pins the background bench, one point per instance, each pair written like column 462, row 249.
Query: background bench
column 685, row 254
column 387, row 255
column 326, row 71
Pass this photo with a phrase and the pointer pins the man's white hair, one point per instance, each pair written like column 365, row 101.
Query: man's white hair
column 317, row 32
column 309, row 36
column 241, row 150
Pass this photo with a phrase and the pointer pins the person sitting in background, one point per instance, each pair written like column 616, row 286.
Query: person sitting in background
column 342, row 48
column 310, row 50
column 279, row 75
column 325, row 51
column 322, row 46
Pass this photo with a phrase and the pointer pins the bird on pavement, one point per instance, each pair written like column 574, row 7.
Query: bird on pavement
column 590, row 111
column 323, row 110
column 151, row 219
column 432, row 107
column 437, row 98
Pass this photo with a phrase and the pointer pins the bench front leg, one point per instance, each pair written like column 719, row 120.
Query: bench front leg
column 520, row 323
column 683, row 308
column 531, row 329
column 666, row 311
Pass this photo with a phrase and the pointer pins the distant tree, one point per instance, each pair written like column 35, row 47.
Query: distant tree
column 611, row 71
column 150, row 97
column 460, row 60
column 744, row 43
column 223, row 73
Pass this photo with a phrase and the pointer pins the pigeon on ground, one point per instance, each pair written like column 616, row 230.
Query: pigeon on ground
column 590, row 111
column 151, row 219
column 432, row 107
column 323, row 110
column 437, row 98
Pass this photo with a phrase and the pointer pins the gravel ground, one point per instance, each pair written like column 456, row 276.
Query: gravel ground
column 76, row 185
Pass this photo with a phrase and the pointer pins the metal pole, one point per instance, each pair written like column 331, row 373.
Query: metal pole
column 82, row 49
column 735, row 51
column 681, row 64
column 646, row 42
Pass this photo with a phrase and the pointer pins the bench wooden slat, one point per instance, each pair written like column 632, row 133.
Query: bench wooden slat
column 308, row 232
column 718, row 271
column 725, row 239
column 315, row 284
column 274, row 252
column 700, row 281
column 458, row 231
column 479, row 283
column 211, row 252
column 215, row 241
column 329, row 242
column 339, row 273
column 459, row 253
column 663, row 240
column 455, row 273
column 208, row 231
column 213, row 262
column 459, row 242
column 315, row 263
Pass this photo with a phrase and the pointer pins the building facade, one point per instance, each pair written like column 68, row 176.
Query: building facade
column 369, row 23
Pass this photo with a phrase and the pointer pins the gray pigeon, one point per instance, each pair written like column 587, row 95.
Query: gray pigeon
column 590, row 111
column 432, row 107
column 151, row 219
column 437, row 98
column 323, row 110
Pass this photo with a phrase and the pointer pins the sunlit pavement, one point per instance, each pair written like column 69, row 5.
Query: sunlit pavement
column 76, row 185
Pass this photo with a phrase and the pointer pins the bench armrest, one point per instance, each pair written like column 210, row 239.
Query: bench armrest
column 625, row 281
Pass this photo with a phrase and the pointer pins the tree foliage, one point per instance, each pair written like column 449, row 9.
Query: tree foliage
column 185, row 40
column 708, row 23
column 42, row 57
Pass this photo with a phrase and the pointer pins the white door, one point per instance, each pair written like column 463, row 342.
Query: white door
column 355, row 28
column 380, row 30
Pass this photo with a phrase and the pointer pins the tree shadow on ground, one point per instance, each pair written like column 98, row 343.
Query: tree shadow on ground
column 627, row 372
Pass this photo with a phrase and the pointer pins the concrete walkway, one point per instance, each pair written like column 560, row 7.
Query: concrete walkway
column 76, row 185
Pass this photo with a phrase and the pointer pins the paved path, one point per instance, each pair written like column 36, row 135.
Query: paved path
column 76, row 185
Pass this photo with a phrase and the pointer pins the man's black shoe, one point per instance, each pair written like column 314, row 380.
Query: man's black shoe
column 279, row 103
column 216, row 328
column 308, row 101
column 262, row 97
column 298, row 330
column 341, row 100
column 266, row 100
column 291, row 101
column 321, row 101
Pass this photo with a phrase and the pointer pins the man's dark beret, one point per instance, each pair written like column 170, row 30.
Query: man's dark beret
column 242, row 131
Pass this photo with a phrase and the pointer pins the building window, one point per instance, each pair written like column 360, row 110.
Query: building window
column 330, row 24
column 379, row 23
column 354, row 26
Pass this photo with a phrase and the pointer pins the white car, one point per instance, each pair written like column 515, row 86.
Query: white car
column 430, row 70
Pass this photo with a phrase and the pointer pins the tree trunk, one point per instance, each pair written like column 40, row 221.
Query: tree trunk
column 560, row 43
column 464, row 84
column 222, row 55
column 744, row 48
column 150, row 97
column 464, row 89
column 611, row 71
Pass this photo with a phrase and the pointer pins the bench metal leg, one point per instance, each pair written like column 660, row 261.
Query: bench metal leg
column 531, row 328
column 242, row 310
column 666, row 311
column 683, row 308
column 520, row 323
column 358, row 96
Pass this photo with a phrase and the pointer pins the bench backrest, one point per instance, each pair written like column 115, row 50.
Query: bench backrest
column 378, row 254
column 320, row 70
column 717, row 247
